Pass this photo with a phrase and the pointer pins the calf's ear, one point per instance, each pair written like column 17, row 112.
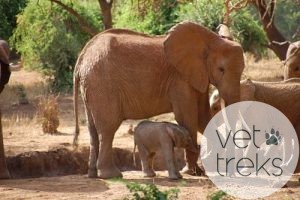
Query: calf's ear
column 171, row 133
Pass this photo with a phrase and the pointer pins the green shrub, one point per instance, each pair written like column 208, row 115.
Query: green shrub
column 287, row 19
column 219, row 195
column 8, row 11
column 151, row 192
column 244, row 27
column 206, row 12
column 248, row 32
column 148, row 17
column 49, row 39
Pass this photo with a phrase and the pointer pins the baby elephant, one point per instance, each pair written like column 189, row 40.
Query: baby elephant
column 153, row 136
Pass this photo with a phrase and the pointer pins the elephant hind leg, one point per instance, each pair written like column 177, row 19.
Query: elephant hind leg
column 106, row 129
column 145, row 157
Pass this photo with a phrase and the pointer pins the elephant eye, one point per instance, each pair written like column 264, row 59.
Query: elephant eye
column 221, row 69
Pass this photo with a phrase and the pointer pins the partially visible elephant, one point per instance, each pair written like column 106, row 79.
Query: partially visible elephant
column 283, row 95
column 128, row 75
column 292, row 62
column 4, row 77
column 151, row 137
column 4, row 64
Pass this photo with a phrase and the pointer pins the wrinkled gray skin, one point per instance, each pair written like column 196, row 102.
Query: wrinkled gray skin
column 283, row 95
column 151, row 137
column 292, row 62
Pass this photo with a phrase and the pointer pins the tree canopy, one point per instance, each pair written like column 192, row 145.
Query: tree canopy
column 50, row 33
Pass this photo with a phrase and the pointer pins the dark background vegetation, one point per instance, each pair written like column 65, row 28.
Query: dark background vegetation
column 49, row 34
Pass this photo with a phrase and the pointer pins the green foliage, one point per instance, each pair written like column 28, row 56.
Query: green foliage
column 218, row 195
column 247, row 31
column 8, row 11
column 54, row 39
column 244, row 27
column 287, row 19
column 148, row 17
column 206, row 12
column 151, row 192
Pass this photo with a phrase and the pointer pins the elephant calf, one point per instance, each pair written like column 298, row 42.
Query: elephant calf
column 150, row 137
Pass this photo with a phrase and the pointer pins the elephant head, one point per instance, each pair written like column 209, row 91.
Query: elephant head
column 203, row 57
column 4, row 62
column 292, row 62
column 180, row 136
column 4, row 52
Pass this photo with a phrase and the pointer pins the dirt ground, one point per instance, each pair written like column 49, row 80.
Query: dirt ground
column 23, row 133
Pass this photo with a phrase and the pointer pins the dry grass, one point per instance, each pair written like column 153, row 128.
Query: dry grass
column 263, row 70
column 48, row 113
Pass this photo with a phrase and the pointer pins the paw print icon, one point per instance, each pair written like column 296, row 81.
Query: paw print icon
column 273, row 137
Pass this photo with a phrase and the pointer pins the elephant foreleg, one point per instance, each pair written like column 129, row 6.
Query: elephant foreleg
column 168, row 152
column 297, row 128
column 176, row 165
column 186, row 115
column 3, row 168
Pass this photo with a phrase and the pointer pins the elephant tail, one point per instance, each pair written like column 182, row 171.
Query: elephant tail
column 75, row 104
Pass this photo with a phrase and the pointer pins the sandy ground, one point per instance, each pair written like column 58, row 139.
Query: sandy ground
column 23, row 133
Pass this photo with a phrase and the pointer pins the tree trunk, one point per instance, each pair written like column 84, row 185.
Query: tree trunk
column 277, row 42
column 3, row 168
column 106, row 6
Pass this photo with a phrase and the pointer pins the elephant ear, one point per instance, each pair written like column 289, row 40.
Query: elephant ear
column 247, row 90
column 4, row 52
column 171, row 133
column 185, row 49
column 293, row 49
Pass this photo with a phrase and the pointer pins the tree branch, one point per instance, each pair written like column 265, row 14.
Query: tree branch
column 106, row 6
column 277, row 42
column 81, row 21
column 230, row 7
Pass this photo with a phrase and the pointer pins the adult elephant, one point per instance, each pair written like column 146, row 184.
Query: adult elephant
column 129, row 75
column 4, row 62
column 4, row 77
column 292, row 62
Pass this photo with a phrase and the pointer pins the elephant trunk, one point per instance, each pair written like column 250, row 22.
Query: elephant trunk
column 231, row 96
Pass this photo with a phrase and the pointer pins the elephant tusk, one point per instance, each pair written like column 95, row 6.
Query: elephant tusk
column 13, row 67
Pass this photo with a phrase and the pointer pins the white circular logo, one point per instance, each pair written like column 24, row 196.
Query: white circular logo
column 249, row 150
